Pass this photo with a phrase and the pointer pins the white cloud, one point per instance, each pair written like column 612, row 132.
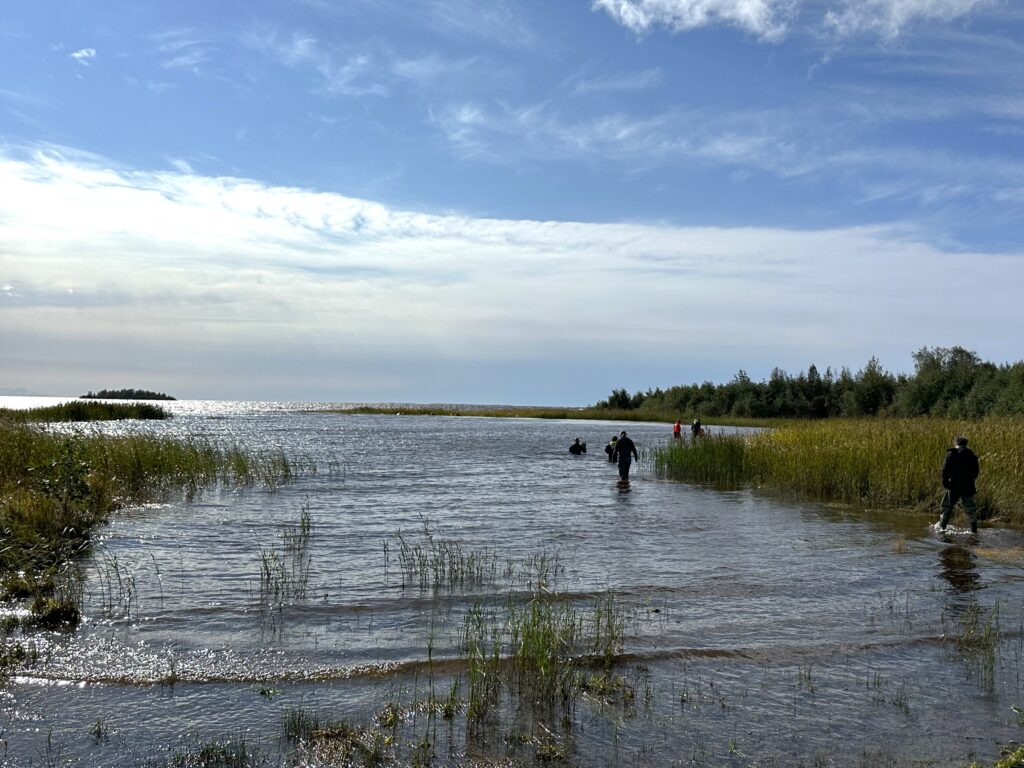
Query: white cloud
column 767, row 19
column 772, row 20
column 83, row 55
column 170, row 268
column 889, row 18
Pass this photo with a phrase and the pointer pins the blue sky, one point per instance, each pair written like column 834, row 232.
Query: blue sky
column 489, row 201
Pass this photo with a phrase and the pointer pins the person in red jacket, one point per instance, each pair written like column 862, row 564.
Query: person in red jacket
column 959, row 471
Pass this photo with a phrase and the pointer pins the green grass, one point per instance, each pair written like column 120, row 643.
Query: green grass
column 56, row 488
column 79, row 410
column 873, row 462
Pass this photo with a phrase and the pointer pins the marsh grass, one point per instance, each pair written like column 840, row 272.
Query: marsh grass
column 434, row 562
column 538, row 649
column 56, row 488
column 79, row 410
column 234, row 753
column 977, row 639
column 873, row 462
column 284, row 570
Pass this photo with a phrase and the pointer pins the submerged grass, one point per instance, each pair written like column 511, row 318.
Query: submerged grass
column 875, row 462
column 56, row 488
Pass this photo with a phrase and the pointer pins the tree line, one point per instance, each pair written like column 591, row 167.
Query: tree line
column 952, row 382
column 126, row 394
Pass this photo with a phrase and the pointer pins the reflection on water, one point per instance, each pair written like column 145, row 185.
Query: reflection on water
column 759, row 631
column 958, row 567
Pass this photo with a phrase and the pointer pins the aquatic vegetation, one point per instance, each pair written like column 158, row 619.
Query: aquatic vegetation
column 977, row 639
column 235, row 753
column 432, row 562
column 77, row 410
column 56, row 488
column 284, row 572
column 892, row 462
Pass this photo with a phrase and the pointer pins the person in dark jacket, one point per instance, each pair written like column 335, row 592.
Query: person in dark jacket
column 577, row 447
column 625, row 452
column 959, row 471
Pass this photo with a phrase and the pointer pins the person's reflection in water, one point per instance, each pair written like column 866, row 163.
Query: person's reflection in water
column 958, row 568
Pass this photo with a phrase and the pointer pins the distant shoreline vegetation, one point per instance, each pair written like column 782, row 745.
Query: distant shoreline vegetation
column 948, row 382
column 521, row 412
column 126, row 394
column 76, row 410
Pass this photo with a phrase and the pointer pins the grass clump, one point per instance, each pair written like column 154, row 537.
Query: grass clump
column 79, row 410
column 235, row 753
column 875, row 462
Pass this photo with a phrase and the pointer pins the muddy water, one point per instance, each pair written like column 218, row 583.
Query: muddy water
column 760, row 631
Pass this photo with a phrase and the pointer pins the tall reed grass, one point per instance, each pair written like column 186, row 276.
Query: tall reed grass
column 874, row 462
column 56, row 488
column 80, row 410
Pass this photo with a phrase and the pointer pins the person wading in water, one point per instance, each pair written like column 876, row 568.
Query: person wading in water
column 959, row 471
column 625, row 452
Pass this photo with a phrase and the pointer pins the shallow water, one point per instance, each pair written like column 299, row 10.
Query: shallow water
column 760, row 631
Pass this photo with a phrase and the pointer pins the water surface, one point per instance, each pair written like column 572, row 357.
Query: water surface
column 761, row 631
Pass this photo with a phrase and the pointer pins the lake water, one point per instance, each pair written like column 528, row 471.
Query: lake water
column 758, row 630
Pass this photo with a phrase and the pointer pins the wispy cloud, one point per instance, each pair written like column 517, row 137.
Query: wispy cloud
column 84, row 55
column 340, row 72
column 889, row 18
column 618, row 81
column 496, row 21
column 183, row 49
column 25, row 99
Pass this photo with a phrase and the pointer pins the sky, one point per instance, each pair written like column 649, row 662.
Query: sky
column 488, row 201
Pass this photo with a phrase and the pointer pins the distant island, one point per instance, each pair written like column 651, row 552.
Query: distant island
column 126, row 394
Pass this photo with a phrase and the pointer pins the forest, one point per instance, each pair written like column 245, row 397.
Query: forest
column 952, row 382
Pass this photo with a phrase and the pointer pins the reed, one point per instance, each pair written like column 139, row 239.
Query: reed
column 56, row 488
column 234, row 753
column 874, row 462
column 79, row 410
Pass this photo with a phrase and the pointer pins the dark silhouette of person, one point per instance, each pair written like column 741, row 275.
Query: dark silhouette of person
column 625, row 452
column 577, row 447
column 696, row 428
column 959, row 471
column 610, row 449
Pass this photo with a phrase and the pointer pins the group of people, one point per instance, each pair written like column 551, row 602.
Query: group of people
column 960, row 469
column 696, row 429
column 621, row 450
